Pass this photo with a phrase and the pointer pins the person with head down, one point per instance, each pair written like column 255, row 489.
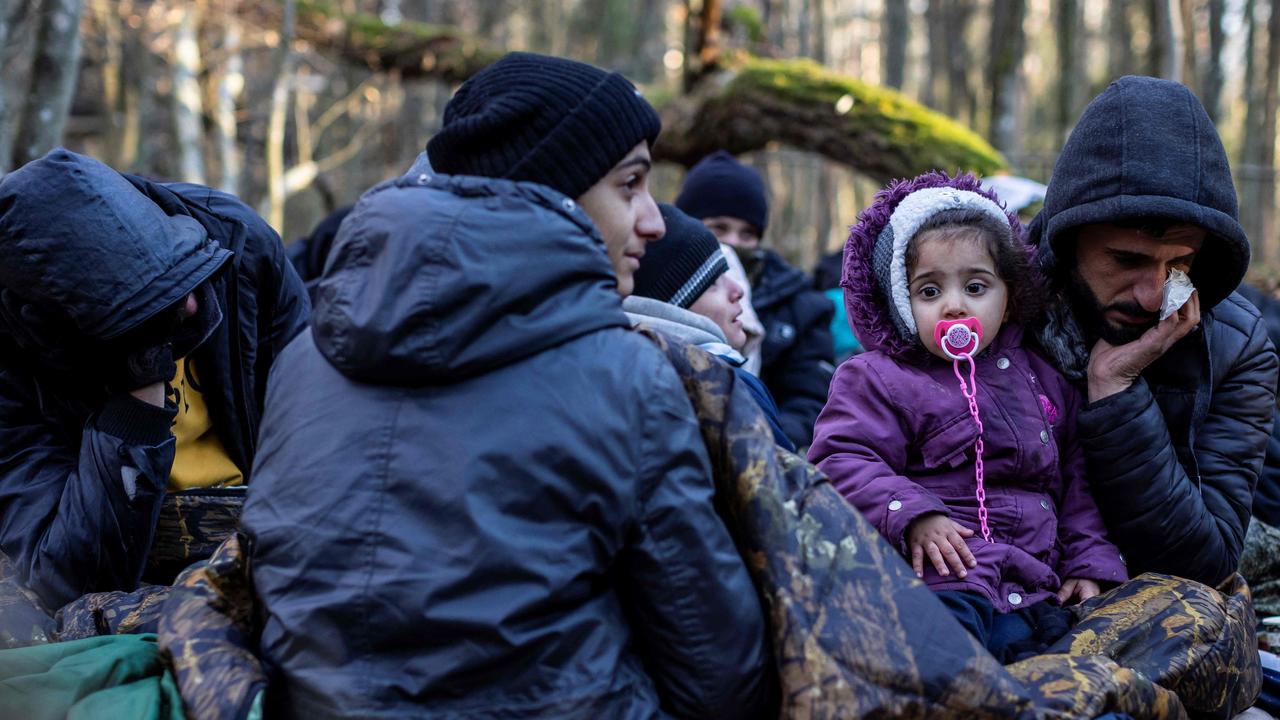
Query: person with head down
column 138, row 323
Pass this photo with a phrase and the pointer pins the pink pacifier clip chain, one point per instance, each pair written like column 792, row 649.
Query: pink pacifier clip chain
column 970, row 392
column 958, row 340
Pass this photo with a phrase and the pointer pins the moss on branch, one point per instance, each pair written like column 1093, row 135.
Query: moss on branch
column 754, row 102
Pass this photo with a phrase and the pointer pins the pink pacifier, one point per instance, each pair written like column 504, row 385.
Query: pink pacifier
column 959, row 340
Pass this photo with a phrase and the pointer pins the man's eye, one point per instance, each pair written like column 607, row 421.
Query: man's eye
column 1127, row 260
column 634, row 181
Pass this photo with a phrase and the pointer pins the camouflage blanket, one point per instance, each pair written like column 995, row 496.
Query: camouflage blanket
column 1260, row 565
column 190, row 527
column 854, row 632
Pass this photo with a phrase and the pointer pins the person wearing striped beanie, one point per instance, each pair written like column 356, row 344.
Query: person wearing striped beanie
column 683, row 288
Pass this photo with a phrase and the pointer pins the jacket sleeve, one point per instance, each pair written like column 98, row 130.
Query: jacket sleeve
column 1162, row 519
column 861, row 442
column 290, row 310
column 799, row 378
column 1084, row 549
column 78, row 513
column 1266, row 500
column 697, row 614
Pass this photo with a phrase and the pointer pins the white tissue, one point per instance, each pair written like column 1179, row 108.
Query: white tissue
column 1177, row 290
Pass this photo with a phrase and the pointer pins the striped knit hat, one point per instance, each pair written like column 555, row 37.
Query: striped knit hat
column 543, row 119
column 681, row 266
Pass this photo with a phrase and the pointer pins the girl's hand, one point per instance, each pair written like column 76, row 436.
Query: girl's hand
column 942, row 539
column 1078, row 587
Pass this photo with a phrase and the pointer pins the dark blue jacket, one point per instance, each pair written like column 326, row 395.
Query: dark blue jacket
column 798, row 354
column 1266, row 499
column 82, row 470
column 1173, row 460
column 479, row 494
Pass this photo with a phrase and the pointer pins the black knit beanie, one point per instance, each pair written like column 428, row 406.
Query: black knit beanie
column 544, row 119
column 681, row 266
column 720, row 186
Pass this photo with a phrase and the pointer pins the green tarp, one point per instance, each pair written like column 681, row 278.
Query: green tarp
column 97, row 678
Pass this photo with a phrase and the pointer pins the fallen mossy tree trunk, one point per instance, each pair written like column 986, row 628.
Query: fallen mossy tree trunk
column 752, row 103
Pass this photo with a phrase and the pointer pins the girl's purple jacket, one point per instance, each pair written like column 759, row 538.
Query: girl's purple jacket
column 897, row 440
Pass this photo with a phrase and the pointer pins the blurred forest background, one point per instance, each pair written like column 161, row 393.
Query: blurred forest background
column 298, row 106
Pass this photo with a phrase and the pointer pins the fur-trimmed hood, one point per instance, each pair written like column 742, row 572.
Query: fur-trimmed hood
column 867, row 299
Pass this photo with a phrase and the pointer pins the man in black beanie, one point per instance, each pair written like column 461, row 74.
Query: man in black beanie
column 1180, row 390
column 502, row 504
column 798, row 352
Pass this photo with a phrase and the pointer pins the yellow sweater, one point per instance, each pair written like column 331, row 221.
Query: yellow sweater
column 200, row 460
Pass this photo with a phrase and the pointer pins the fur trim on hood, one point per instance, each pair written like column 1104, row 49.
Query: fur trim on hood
column 869, row 302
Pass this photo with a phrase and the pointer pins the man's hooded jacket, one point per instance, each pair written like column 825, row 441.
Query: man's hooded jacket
column 87, row 255
column 478, row 493
column 1173, row 460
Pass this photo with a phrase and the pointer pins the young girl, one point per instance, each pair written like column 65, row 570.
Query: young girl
column 987, row 500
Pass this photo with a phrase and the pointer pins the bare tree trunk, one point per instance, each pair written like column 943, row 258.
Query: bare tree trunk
column 935, row 17
column 1166, row 39
column 960, row 94
column 1069, row 24
column 1267, row 158
column 1186, row 21
column 1008, row 44
column 895, row 33
column 704, row 49
column 53, row 80
column 1251, row 149
column 819, row 8
column 230, row 85
column 107, row 15
column 188, row 108
column 135, row 85
column 1212, row 78
column 803, row 35
column 13, row 26
column 276, row 122
column 1119, row 37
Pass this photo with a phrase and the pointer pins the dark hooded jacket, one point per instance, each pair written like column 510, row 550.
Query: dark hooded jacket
column 308, row 254
column 798, row 353
column 479, row 494
column 83, row 470
column 1266, row 499
column 1173, row 459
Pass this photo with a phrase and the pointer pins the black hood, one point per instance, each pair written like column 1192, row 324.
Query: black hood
column 1145, row 148
column 78, row 240
column 436, row 278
